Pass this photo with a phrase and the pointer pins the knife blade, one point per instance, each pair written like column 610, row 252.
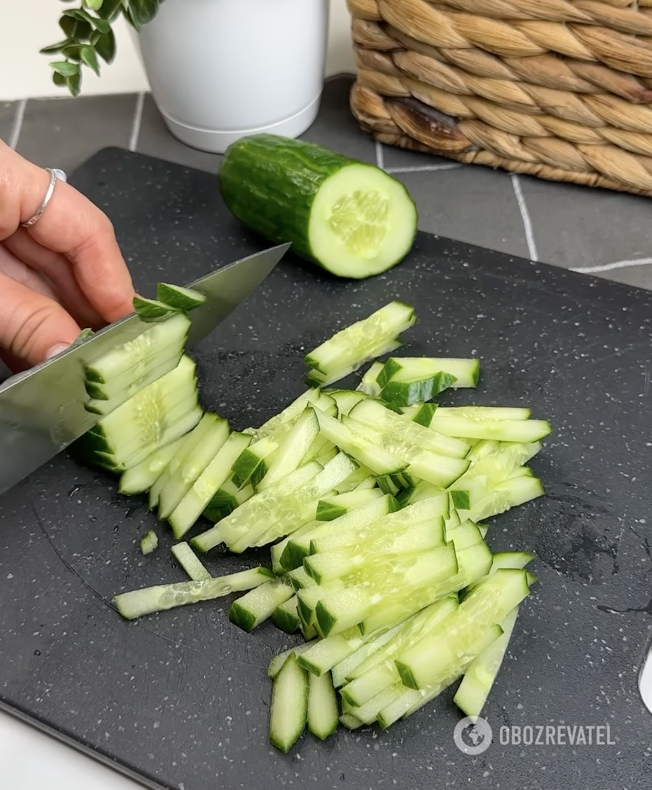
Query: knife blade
column 42, row 411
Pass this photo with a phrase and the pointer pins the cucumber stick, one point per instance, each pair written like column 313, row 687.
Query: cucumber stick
column 168, row 596
column 289, row 455
column 215, row 473
column 259, row 604
column 190, row 562
column 149, row 542
column 277, row 661
column 142, row 477
column 348, row 217
column 323, row 713
column 288, row 713
column 482, row 671
column 179, row 298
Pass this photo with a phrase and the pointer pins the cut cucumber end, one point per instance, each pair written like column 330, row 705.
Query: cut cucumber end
column 362, row 223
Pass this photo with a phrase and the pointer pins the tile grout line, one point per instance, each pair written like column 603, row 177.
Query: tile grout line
column 424, row 168
column 137, row 121
column 525, row 216
column 17, row 127
column 380, row 157
column 607, row 267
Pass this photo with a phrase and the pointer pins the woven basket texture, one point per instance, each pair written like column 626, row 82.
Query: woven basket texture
column 560, row 89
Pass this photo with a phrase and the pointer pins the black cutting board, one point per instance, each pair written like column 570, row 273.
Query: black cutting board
column 181, row 699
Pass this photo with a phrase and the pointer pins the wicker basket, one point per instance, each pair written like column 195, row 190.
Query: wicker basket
column 560, row 89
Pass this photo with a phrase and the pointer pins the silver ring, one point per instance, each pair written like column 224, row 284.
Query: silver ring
column 55, row 175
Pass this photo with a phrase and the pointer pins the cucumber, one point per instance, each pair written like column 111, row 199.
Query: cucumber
column 362, row 478
column 190, row 562
column 260, row 603
column 263, row 507
column 226, row 500
column 149, row 542
column 482, row 413
column 216, row 432
column 277, row 661
column 141, row 478
column 421, row 413
column 168, row 596
column 368, row 384
column 466, row 372
column 345, row 399
column 324, row 654
column 152, row 311
column 288, row 712
column 286, row 617
column 348, row 217
column 524, row 431
column 290, row 454
column 349, row 721
column 179, row 298
column 136, row 357
column 188, row 445
column 290, row 414
column 340, row 505
column 437, row 655
column 374, row 415
column 207, row 483
column 506, row 495
column 323, row 713
column 359, row 343
column 252, row 464
column 482, row 671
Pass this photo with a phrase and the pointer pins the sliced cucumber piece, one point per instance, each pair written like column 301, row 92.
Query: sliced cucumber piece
column 361, row 342
column 501, row 430
column 323, row 713
column 288, row 713
column 263, row 507
column 363, row 477
column 277, row 661
column 298, row 508
column 368, row 384
column 179, row 298
column 286, row 617
column 189, row 444
column 482, row 413
column 252, row 464
column 141, row 478
column 349, row 721
column 200, row 493
column 290, row 414
column 374, row 415
column 406, row 369
column 149, row 542
column 326, row 653
column 226, row 500
column 345, row 399
column 368, row 712
column 340, row 505
column 298, row 546
column 289, row 455
column 350, row 218
column 440, row 470
column 138, row 356
column 344, row 668
column 483, row 670
column 259, row 604
column 506, row 495
column 351, row 441
column 421, row 413
column 168, row 596
column 152, row 311
column 190, row 562
column 192, row 467
column 436, row 656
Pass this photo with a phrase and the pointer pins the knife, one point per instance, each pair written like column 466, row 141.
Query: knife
column 42, row 411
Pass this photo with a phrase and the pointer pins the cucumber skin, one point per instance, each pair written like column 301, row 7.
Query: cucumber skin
column 270, row 182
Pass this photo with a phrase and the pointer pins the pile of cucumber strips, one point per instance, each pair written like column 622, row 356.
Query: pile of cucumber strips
column 372, row 502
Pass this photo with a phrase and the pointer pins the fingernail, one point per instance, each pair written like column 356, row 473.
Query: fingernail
column 56, row 350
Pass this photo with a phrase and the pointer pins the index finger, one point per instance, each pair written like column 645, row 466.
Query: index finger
column 70, row 225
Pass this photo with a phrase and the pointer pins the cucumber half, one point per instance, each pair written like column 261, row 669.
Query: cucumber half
column 350, row 218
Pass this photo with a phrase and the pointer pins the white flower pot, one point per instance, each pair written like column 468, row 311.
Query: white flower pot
column 222, row 69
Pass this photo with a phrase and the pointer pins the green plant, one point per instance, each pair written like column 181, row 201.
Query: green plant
column 89, row 36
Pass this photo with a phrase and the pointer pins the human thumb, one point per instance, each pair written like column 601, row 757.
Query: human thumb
column 33, row 327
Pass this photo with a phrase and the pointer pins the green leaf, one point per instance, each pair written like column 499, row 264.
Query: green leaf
column 74, row 83
column 68, row 25
column 59, row 80
column 143, row 11
column 110, row 9
column 95, row 5
column 54, row 48
column 72, row 52
column 81, row 15
column 105, row 47
column 65, row 68
column 89, row 57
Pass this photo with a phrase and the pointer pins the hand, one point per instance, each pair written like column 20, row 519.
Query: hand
column 63, row 274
